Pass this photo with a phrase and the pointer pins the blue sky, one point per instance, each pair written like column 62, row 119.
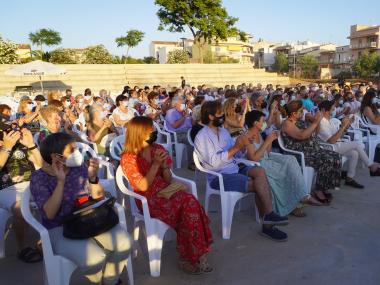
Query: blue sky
column 88, row 22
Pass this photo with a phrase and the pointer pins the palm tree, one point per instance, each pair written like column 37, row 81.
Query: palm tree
column 47, row 37
column 131, row 40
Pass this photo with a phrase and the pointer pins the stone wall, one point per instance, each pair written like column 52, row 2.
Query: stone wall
column 114, row 76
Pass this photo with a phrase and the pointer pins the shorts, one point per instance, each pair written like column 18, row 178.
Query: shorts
column 233, row 182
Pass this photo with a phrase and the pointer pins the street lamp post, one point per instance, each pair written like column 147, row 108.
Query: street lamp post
column 183, row 42
column 294, row 63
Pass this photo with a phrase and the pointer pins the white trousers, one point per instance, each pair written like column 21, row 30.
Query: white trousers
column 354, row 151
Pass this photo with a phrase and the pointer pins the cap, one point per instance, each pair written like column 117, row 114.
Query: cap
column 40, row 98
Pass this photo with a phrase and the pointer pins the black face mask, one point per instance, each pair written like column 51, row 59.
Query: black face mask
column 218, row 121
column 264, row 105
column 152, row 138
column 238, row 109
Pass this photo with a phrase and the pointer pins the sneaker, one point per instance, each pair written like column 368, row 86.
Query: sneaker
column 274, row 219
column 274, row 234
column 354, row 184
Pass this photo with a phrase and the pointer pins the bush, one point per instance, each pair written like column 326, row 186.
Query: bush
column 8, row 53
column 281, row 64
column 178, row 56
column 97, row 55
column 366, row 64
column 62, row 56
column 309, row 66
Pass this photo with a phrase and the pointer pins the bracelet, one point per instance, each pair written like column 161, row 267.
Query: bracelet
column 33, row 147
column 6, row 150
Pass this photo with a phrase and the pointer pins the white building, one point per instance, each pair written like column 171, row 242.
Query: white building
column 160, row 49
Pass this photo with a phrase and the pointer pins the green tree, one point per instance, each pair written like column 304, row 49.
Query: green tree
column 62, row 56
column 308, row 65
column 366, row 64
column 131, row 40
column 281, row 63
column 8, row 53
column 207, row 20
column 46, row 37
column 150, row 60
column 178, row 56
column 243, row 36
column 97, row 55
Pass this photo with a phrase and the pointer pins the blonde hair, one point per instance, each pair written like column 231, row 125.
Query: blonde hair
column 54, row 95
column 47, row 111
column 229, row 107
column 22, row 105
column 138, row 129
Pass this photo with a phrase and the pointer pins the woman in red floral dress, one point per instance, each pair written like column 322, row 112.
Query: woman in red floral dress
column 147, row 167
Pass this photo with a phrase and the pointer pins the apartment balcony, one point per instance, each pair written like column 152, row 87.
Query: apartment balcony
column 365, row 45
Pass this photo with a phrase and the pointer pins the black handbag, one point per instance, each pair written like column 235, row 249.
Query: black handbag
column 91, row 219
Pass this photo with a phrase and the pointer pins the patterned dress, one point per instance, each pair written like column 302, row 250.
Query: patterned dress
column 181, row 211
column 326, row 163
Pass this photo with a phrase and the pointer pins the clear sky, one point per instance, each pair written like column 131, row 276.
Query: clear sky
column 89, row 22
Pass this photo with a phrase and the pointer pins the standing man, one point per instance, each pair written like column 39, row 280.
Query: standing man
column 183, row 82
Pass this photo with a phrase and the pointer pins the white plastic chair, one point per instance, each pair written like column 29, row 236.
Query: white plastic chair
column 116, row 147
column 179, row 147
column 85, row 140
column 189, row 138
column 154, row 228
column 167, row 142
column 371, row 141
column 106, row 170
column 228, row 199
column 307, row 171
column 57, row 269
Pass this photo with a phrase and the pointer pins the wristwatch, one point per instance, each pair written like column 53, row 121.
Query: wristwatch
column 96, row 181
column 33, row 147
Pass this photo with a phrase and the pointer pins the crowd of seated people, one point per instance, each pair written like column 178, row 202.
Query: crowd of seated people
column 37, row 144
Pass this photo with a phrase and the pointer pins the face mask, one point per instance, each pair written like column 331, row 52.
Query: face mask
column 156, row 101
column 183, row 107
column 67, row 104
column 264, row 105
column 333, row 114
column 152, row 138
column 30, row 106
column 218, row 121
column 292, row 98
column 238, row 109
column 80, row 101
column 360, row 99
column 341, row 102
column 103, row 115
column 75, row 159
column 263, row 127
column 350, row 99
column 125, row 104
column 282, row 103
column 374, row 100
column 87, row 97
column 107, row 106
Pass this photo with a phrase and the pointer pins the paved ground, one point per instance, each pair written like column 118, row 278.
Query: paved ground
column 339, row 244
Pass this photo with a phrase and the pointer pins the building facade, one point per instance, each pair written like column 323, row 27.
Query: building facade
column 364, row 38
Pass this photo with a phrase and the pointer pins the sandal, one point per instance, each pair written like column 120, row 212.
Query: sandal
column 204, row 265
column 324, row 201
column 297, row 212
column 312, row 201
column 30, row 255
column 189, row 268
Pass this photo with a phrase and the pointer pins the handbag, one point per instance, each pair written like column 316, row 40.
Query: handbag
column 91, row 219
column 173, row 188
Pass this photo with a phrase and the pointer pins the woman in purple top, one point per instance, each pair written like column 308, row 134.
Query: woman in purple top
column 55, row 187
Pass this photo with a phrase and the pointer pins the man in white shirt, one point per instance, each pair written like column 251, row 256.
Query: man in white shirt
column 329, row 133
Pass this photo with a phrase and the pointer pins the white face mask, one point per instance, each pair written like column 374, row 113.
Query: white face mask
column 292, row 98
column 67, row 104
column 87, row 97
column 125, row 104
column 75, row 159
column 183, row 107
column 30, row 106
column 282, row 103
column 375, row 100
column 107, row 106
column 80, row 101
column 156, row 101
column 103, row 115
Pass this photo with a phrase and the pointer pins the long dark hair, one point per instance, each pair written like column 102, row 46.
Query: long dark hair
column 367, row 102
